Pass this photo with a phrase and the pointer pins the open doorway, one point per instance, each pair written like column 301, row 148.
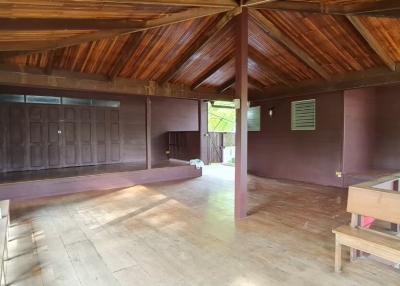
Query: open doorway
column 221, row 132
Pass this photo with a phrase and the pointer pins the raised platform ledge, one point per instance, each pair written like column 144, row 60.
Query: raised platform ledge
column 106, row 181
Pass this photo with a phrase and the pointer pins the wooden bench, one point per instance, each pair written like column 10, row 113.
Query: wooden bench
column 367, row 200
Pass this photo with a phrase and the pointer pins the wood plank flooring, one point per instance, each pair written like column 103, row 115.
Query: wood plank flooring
column 183, row 233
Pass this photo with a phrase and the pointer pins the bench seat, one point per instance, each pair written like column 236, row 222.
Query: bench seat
column 382, row 245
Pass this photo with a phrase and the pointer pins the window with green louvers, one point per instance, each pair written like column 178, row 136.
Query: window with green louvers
column 303, row 115
column 254, row 118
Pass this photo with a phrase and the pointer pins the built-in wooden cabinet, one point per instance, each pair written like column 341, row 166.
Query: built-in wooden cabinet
column 37, row 136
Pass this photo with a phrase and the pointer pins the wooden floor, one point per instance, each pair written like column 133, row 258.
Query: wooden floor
column 183, row 233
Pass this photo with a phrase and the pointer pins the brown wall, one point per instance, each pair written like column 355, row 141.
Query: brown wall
column 359, row 130
column 311, row 156
column 167, row 115
column 170, row 115
column 387, row 150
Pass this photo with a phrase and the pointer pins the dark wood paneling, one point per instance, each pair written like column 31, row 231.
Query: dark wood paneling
column 53, row 137
column 115, row 136
column 101, row 141
column 36, row 115
column 71, row 136
column 49, row 136
column 86, row 136
column 184, row 145
column 18, row 137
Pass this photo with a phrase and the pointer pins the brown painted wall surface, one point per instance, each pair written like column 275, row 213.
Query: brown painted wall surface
column 170, row 115
column 311, row 156
column 359, row 130
column 387, row 150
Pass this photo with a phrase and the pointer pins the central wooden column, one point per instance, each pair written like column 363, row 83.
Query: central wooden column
column 203, row 129
column 241, row 89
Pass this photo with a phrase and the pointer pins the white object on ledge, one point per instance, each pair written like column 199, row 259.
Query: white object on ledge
column 198, row 163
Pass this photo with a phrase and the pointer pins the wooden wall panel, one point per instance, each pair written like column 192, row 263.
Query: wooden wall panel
column 53, row 137
column 36, row 115
column 18, row 137
column 115, row 139
column 70, row 136
column 101, row 144
column 86, row 136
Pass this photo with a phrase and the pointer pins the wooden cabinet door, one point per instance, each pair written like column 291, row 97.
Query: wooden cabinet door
column 54, row 137
column 70, row 136
column 36, row 117
column 101, row 136
column 17, row 140
column 115, row 140
column 86, row 136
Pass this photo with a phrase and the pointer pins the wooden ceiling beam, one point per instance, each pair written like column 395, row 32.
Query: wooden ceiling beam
column 35, row 24
column 50, row 64
column 216, row 67
column 371, row 78
column 264, row 62
column 268, row 27
column 25, row 48
column 227, row 86
column 188, row 3
column 127, row 52
column 31, row 77
column 199, row 44
column 252, row 3
column 372, row 42
column 257, row 84
column 379, row 8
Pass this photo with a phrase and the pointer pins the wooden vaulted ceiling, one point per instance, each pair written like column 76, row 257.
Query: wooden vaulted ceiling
column 294, row 45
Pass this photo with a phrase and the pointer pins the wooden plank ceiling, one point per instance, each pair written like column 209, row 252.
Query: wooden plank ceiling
column 192, row 43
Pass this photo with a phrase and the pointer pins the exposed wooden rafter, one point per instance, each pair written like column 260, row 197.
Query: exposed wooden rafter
column 375, row 77
column 373, row 43
column 34, row 24
column 199, row 44
column 126, row 54
column 268, row 27
column 217, row 66
column 252, row 3
column 384, row 8
column 189, row 3
column 31, row 77
column 50, row 64
column 227, row 85
column 260, row 59
column 23, row 48
column 253, row 82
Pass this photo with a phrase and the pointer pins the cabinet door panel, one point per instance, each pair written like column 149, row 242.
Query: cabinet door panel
column 17, row 137
column 53, row 137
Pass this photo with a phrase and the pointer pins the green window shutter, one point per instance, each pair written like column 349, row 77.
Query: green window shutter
column 254, row 118
column 303, row 115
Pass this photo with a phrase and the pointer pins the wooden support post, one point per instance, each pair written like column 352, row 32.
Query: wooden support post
column 203, row 130
column 241, row 94
column 148, row 133
column 338, row 257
